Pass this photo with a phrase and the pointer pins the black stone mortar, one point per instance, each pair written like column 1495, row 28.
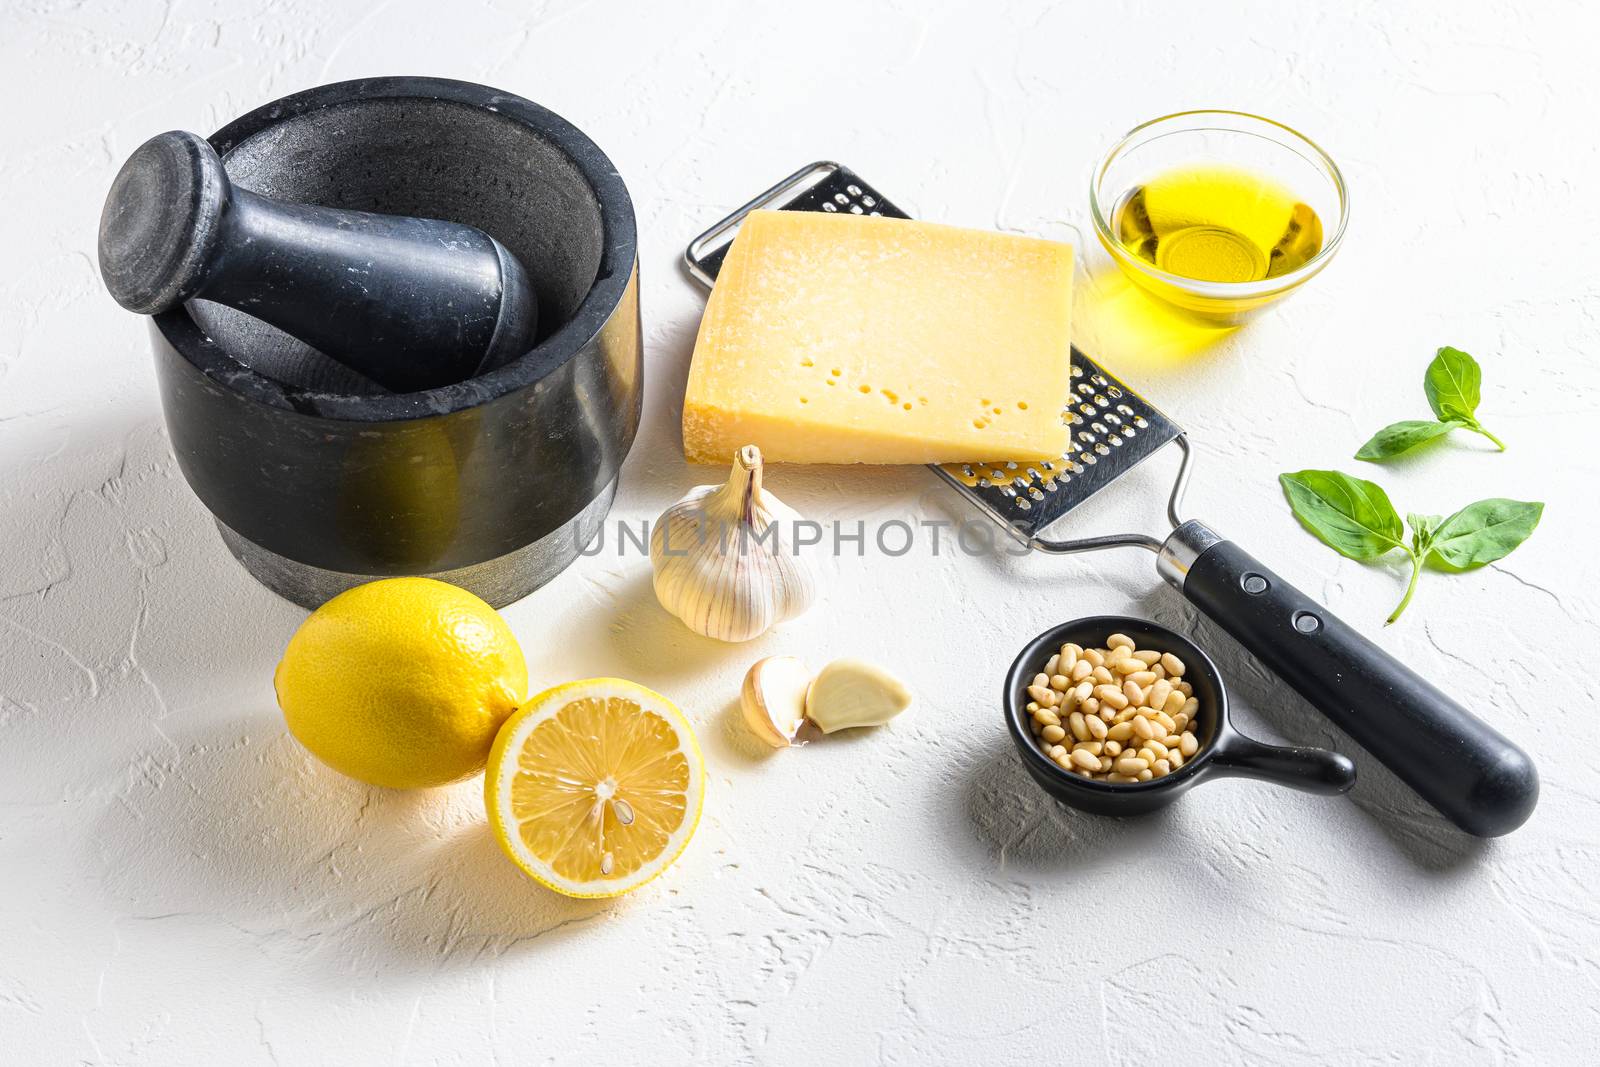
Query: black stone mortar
column 319, row 479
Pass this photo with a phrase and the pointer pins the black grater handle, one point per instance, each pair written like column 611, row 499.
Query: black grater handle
column 1455, row 761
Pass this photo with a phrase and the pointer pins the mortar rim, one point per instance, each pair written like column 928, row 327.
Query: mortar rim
column 614, row 274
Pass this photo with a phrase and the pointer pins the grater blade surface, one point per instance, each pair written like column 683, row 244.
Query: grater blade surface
column 1114, row 429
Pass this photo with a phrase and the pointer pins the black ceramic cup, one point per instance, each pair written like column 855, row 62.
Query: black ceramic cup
column 1224, row 752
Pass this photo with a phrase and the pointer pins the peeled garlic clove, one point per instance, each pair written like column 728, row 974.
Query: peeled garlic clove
column 773, row 699
column 850, row 693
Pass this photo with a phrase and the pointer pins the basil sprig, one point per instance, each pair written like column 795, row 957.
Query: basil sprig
column 1454, row 386
column 1354, row 517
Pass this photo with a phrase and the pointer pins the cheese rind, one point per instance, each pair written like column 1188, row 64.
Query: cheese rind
column 855, row 339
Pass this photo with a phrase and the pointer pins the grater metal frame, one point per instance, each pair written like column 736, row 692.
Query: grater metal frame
column 1114, row 428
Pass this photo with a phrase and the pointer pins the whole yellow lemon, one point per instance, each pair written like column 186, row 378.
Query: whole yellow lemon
column 402, row 682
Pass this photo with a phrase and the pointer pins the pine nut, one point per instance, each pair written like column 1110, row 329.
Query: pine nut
column 1117, row 714
column 1108, row 694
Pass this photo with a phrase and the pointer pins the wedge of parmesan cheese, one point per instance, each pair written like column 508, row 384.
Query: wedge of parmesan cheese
column 856, row 339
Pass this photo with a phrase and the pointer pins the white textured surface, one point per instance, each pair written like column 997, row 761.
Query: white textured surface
column 179, row 883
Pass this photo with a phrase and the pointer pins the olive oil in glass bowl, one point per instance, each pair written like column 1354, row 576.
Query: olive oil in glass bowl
column 1218, row 213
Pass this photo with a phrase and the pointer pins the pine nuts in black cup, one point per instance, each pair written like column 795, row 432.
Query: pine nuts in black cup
column 1118, row 716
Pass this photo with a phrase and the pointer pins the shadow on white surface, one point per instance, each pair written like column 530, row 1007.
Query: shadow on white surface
column 646, row 639
column 326, row 874
column 1023, row 827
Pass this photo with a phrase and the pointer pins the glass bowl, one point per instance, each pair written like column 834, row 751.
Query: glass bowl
column 1259, row 147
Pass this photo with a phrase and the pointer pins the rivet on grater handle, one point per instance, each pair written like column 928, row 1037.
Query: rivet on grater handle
column 410, row 303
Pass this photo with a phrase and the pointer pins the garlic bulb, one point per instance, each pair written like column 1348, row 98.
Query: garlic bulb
column 718, row 564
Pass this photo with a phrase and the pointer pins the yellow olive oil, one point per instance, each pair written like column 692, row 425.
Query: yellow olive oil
column 1217, row 224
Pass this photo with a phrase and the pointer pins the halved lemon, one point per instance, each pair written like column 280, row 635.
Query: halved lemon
column 595, row 787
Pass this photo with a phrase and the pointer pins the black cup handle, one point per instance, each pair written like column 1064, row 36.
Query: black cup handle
column 1455, row 761
column 1310, row 770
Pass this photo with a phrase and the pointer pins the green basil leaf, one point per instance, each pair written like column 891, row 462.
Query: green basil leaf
column 1349, row 515
column 1484, row 532
column 1453, row 383
column 1398, row 437
column 1423, row 528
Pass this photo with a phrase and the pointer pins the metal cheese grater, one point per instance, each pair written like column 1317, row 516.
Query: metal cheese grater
column 1114, row 429
column 1472, row 774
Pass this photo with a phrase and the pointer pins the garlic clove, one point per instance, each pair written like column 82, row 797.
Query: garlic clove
column 773, row 699
column 850, row 693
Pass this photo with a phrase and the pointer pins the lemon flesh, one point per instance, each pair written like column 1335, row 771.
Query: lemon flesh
column 402, row 682
column 595, row 787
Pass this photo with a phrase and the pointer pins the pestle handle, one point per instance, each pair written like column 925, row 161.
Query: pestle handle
column 410, row 303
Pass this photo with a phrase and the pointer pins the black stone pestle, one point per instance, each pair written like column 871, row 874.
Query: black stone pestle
column 410, row 303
